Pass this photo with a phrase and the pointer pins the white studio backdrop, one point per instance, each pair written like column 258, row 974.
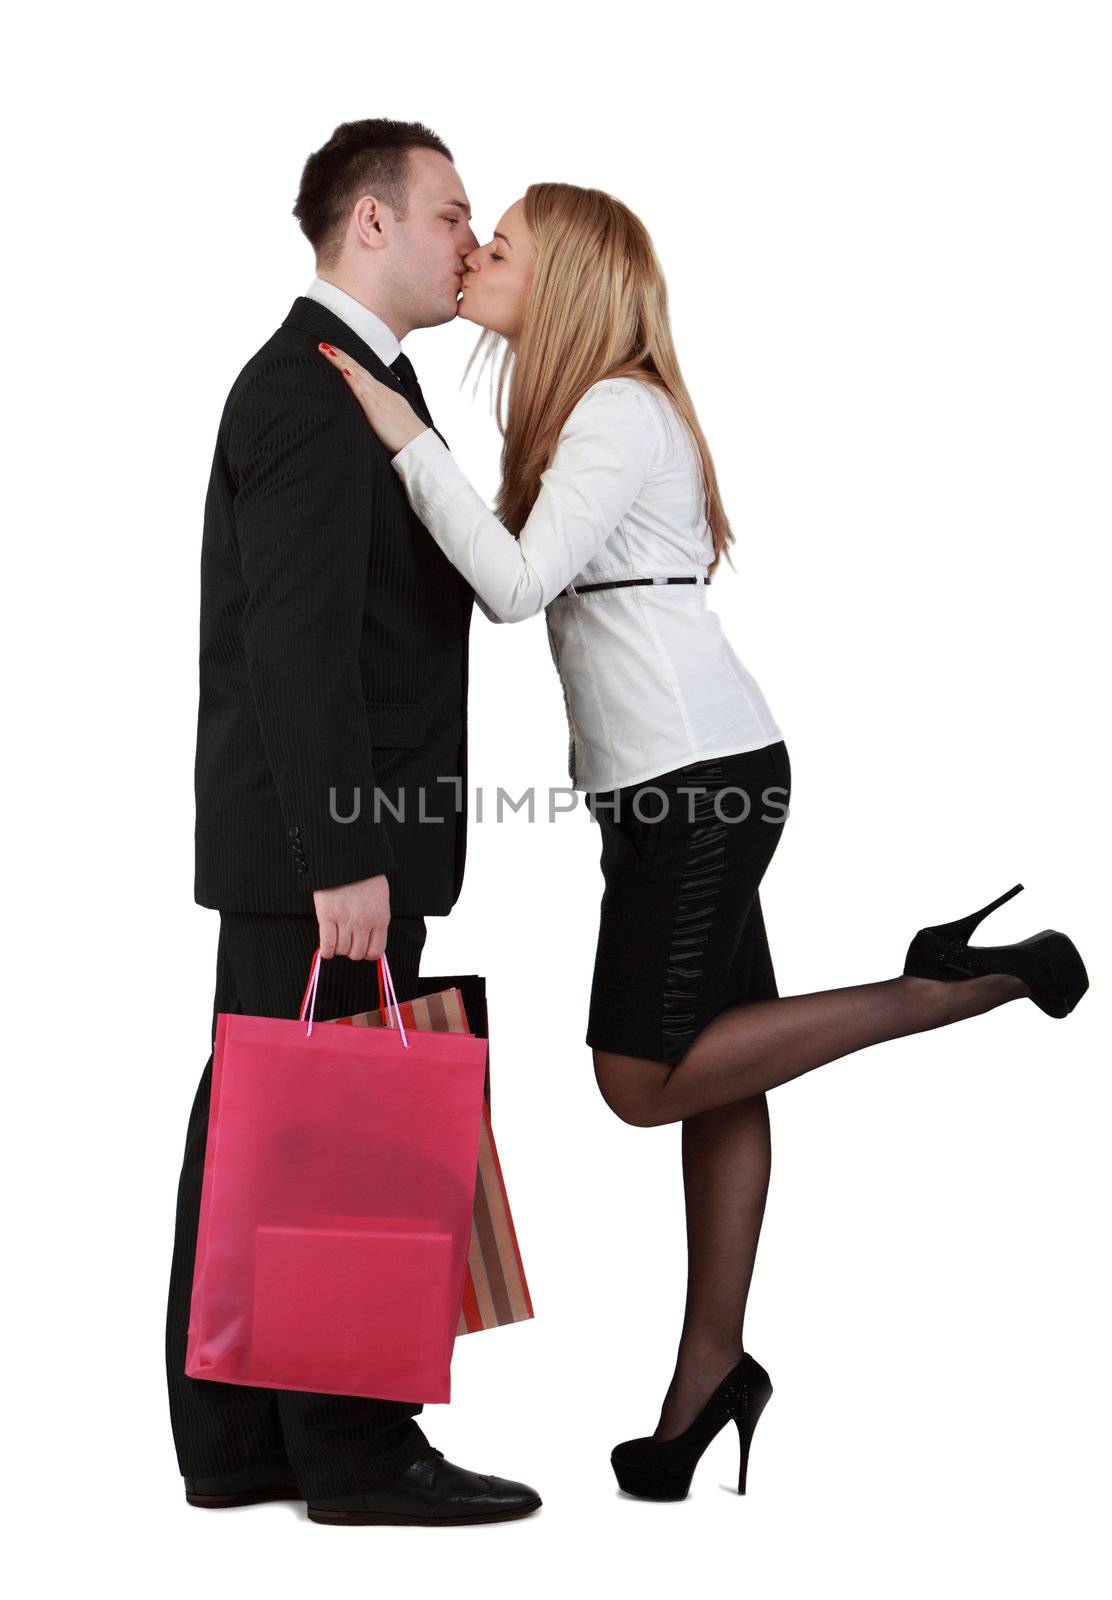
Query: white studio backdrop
column 886, row 236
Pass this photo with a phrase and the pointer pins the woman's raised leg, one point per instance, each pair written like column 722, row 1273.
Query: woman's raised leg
column 718, row 1089
column 752, row 1048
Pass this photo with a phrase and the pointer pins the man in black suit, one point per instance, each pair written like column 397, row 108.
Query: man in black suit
column 331, row 760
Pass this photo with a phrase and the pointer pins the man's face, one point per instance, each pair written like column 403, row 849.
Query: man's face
column 427, row 249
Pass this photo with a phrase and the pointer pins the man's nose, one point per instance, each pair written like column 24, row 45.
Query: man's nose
column 470, row 249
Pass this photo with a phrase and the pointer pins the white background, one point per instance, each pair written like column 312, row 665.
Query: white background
column 886, row 236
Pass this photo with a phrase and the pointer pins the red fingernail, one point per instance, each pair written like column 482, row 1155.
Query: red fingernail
column 347, row 372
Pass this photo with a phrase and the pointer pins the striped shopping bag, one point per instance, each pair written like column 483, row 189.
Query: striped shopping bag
column 495, row 1291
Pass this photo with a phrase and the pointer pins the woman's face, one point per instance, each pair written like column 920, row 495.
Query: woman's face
column 496, row 283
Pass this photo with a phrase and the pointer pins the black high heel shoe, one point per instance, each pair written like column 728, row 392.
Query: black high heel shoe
column 662, row 1469
column 1048, row 962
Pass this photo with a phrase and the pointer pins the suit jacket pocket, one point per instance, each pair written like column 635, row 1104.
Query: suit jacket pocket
column 396, row 724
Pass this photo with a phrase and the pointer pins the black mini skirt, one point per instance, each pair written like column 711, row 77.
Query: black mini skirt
column 681, row 936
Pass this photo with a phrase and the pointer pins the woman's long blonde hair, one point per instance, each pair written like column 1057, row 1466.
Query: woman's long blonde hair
column 597, row 308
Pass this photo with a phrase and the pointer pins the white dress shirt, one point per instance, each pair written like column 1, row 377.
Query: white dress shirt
column 650, row 681
column 371, row 329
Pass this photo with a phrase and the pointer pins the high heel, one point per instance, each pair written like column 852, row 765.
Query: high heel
column 662, row 1469
column 1048, row 962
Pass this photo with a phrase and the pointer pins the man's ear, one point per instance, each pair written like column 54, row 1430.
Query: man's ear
column 368, row 216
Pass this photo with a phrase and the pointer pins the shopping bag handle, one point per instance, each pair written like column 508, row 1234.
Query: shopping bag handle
column 309, row 999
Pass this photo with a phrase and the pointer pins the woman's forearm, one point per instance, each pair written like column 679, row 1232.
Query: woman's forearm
column 468, row 532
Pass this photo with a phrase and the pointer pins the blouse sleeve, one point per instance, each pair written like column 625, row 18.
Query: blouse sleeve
column 605, row 452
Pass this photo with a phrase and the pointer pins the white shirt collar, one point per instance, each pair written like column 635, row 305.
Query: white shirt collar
column 371, row 329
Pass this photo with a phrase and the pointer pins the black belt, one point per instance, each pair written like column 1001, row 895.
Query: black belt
column 619, row 583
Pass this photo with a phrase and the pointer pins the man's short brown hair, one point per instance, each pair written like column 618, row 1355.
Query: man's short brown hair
column 368, row 157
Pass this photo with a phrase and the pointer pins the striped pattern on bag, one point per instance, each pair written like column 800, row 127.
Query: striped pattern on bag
column 495, row 1292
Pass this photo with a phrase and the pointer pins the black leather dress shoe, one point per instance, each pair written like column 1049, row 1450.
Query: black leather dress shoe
column 248, row 1487
column 431, row 1493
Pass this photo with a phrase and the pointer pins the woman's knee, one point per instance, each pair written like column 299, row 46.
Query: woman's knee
column 631, row 1088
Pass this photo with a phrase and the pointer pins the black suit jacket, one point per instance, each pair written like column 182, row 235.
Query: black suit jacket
column 333, row 659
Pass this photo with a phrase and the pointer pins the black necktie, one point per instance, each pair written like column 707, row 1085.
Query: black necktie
column 402, row 368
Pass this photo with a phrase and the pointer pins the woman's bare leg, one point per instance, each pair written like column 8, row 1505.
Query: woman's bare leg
column 726, row 1159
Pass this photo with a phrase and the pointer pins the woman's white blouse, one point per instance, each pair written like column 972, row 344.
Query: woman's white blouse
column 650, row 681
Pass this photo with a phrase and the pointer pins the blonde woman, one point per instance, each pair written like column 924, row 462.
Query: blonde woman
column 610, row 520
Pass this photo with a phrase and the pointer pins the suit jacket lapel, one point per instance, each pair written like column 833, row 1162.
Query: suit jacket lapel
column 313, row 318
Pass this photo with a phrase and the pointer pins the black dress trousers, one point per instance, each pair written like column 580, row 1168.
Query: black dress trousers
column 335, row 1444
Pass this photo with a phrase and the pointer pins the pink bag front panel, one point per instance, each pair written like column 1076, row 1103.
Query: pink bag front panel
column 336, row 1208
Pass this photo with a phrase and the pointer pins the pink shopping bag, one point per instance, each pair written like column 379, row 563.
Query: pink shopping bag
column 494, row 1289
column 336, row 1205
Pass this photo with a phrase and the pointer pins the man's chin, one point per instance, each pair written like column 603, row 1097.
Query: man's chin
column 437, row 320
column 449, row 314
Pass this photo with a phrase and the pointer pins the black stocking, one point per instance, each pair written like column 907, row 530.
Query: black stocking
column 718, row 1091
column 726, row 1155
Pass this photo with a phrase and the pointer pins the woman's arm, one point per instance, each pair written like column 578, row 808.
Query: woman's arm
column 491, row 616
column 604, row 454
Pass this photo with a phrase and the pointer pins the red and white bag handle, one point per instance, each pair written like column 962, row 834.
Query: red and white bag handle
column 309, row 999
